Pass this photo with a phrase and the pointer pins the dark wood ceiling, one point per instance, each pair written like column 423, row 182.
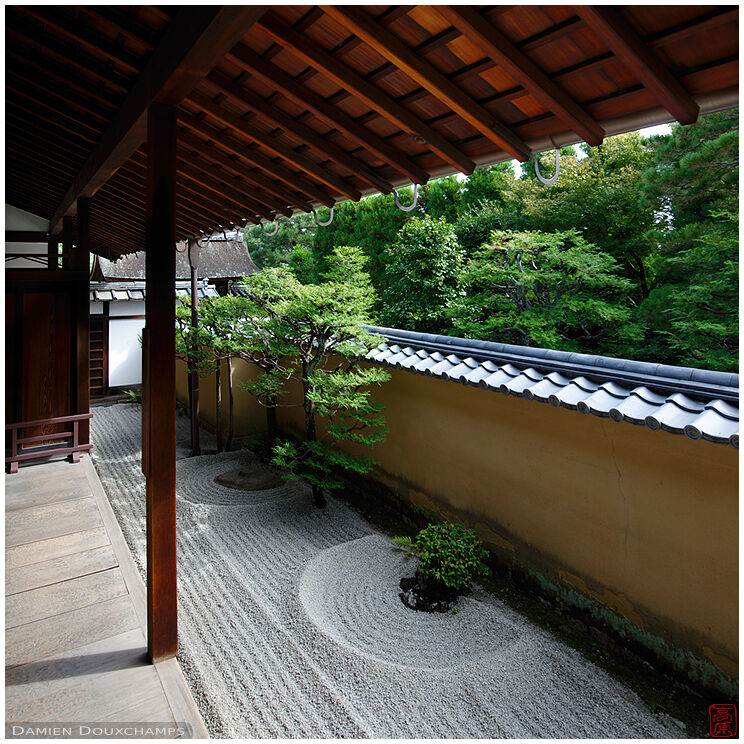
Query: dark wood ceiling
column 317, row 104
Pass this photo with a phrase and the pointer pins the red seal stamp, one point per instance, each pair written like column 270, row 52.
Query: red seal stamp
column 723, row 724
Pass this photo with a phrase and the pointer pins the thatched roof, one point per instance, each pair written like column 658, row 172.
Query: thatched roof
column 218, row 259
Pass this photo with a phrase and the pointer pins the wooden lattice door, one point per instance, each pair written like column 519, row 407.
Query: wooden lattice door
column 98, row 356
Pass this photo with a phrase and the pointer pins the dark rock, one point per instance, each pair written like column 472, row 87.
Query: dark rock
column 426, row 594
column 257, row 477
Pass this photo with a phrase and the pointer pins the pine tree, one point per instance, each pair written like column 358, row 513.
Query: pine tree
column 315, row 333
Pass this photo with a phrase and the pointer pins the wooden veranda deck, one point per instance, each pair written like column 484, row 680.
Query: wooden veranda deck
column 75, row 612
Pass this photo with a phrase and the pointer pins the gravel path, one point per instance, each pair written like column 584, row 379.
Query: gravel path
column 291, row 627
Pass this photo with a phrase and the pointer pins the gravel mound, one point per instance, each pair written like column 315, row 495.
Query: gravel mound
column 290, row 625
column 351, row 593
column 195, row 481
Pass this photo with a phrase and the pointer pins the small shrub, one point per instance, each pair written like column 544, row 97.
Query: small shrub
column 133, row 396
column 449, row 553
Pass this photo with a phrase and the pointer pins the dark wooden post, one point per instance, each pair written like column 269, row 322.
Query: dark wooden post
column 67, row 241
column 80, row 262
column 53, row 252
column 160, row 382
column 194, row 376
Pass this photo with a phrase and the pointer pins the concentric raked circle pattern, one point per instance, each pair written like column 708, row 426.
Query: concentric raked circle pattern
column 351, row 592
column 195, row 481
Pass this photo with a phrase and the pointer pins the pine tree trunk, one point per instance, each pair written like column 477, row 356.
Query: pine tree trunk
column 311, row 436
column 218, row 405
column 230, row 405
column 272, row 427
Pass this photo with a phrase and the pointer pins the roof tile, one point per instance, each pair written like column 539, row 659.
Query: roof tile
column 569, row 380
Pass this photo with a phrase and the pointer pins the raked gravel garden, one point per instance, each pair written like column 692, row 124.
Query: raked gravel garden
column 290, row 623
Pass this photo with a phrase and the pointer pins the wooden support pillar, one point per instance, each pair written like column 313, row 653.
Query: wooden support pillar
column 53, row 252
column 80, row 262
column 194, row 376
column 67, row 241
column 159, row 399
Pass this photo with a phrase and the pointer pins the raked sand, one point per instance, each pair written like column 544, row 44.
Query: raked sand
column 290, row 623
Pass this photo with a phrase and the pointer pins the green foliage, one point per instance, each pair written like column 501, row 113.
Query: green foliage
column 370, row 224
column 700, row 314
column 691, row 314
column 450, row 553
column 600, row 196
column 543, row 290
column 475, row 226
column 423, row 269
column 291, row 246
column 133, row 396
column 441, row 198
column 313, row 334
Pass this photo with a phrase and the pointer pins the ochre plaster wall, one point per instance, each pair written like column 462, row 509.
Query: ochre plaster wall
column 645, row 523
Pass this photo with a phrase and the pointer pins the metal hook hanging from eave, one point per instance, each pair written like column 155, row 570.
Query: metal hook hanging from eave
column 323, row 224
column 269, row 234
column 548, row 181
column 411, row 206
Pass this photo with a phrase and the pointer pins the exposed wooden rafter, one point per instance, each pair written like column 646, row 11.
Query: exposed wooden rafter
column 310, row 53
column 425, row 74
column 304, row 133
column 519, row 66
column 256, row 159
column 329, row 113
column 196, row 40
column 274, row 145
column 216, row 154
column 628, row 47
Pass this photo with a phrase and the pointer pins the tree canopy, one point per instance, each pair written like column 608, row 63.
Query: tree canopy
column 638, row 238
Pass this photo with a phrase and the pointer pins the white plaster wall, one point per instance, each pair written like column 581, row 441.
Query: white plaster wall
column 17, row 219
column 125, row 350
column 126, row 308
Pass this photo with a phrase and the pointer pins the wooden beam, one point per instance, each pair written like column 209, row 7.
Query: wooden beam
column 53, row 252
column 297, row 129
column 211, row 152
column 312, row 54
column 477, row 29
column 274, row 145
column 81, row 263
column 26, row 236
column 195, row 41
column 244, row 206
column 628, row 47
column 159, row 403
column 252, row 157
column 68, row 238
column 236, row 184
column 336, row 117
column 358, row 22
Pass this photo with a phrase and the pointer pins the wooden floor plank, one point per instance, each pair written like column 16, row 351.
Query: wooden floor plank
column 44, row 573
column 52, row 494
column 179, row 696
column 92, row 698
column 53, row 673
column 67, row 632
column 76, row 612
column 154, row 710
column 64, row 596
column 55, row 547
column 42, row 522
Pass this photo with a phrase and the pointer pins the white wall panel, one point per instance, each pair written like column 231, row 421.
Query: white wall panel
column 125, row 350
column 126, row 308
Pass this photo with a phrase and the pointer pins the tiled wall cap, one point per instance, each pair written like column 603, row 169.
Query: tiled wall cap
column 494, row 381
column 725, row 409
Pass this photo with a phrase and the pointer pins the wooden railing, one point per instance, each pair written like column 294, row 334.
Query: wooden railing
column 69, row 441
